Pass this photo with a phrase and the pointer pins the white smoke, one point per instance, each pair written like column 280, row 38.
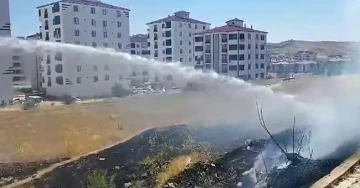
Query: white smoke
column 331, row 105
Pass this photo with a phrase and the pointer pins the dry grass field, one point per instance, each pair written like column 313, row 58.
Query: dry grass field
column 70, row 130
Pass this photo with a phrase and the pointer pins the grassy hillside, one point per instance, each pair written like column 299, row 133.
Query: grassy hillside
column 321, row 47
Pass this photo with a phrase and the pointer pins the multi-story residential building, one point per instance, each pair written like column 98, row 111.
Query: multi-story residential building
column 6, row 90
column 26, row 66
column 305, row 56
column 171, row 38
column 232, row 49
column 139, row 46
column 89, row 23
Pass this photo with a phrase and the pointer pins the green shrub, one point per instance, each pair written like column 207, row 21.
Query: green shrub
column 119, row 91
column 99, row 179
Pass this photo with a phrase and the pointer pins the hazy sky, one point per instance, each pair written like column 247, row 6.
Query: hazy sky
column 283, row 19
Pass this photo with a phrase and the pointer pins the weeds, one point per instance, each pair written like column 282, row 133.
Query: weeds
column 100, row 179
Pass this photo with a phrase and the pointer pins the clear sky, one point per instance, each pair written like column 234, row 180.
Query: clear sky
column 283, row 19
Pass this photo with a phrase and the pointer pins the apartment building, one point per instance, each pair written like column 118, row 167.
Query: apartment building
column 171, row 38
column 139, row 47
column 233, row 49
column 26, row 66
column 89, row 23
column 6, row 90
column 305, row 56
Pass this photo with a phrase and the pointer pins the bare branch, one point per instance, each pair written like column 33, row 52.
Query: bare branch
column 285, row 143
column 267, row 172
column 300, row 142
column 263, row 125
column 294, row 135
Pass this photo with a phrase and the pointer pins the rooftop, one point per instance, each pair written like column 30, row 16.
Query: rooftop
column 180, row 16
column 138, row 38
column 232, row 26
column 87, row 2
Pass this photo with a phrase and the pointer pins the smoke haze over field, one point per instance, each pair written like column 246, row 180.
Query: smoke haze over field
column 330, row 106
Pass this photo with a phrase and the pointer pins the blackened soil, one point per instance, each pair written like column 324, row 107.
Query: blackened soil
column 126, row 161
column 10, row 172
column 226, row 171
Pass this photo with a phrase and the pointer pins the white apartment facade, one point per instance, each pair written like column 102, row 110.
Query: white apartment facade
column 233, row 49
column 89, row 23
column 171, row 38
column 139, row 47
column 6, row 89
column 26, row 66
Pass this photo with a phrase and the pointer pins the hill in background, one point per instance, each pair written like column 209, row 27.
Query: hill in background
column 320, row 47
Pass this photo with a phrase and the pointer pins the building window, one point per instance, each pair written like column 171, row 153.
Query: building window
column 168, row 51
column 92, row 10
column 189, row 34
column 241, row 57
column 105, row 34
column 242, row 36
column 262, row 37
column 48, row 59
column 76, row 8
column 256, row 66
column 58, row 56
column 249, row 46
column 233, row 36
column 249, row 56
column 233, row 47
column 181, row 51
column 56, row 20
column 56, row 8
column 181, row 59
column 262, row 75
column 168, row 24
column 76, row 21
column 168, row 42
column 189, row 51
column 262, row 65
column 241, row 67
column 262, row 56
column 49, row 81
column 262, row 47
column 118, row 35
column 46, row 13
column 78, row 80
column 233, row 67
column 118, row 24
column 59, row 80
column 119, row 45
column 256, row 56
column 132, row 52
column 96, row 79
column 199, row 39
column 189, row 59
column 167, row 33
column 104, row 11
column 57, row 33
column 180, row 34
column 77, row 32
column 93, row 33
column 181, row 42
column 95, row 68
column 107, row 77
column 233, row 57
column 118, row 13
column 190, row 43
column 39, row 12
column 46, row 25
column 78, row 68
column 93, row 44
column 48, row 70
column 104, row 23
column 249, row 66
column 189, row 25
column 180, row 25
column 256, row 46
column 105, row 45
column 199, row 48
column 207, row 39
column 93, row 22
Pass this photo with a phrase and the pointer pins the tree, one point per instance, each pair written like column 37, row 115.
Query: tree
column 119, row 91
